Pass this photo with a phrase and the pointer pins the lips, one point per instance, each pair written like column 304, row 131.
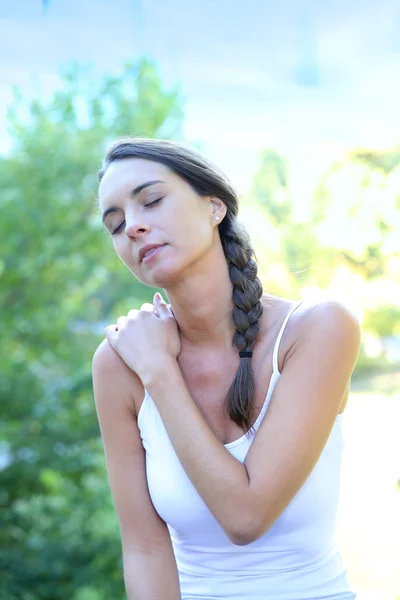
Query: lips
column 143, row 251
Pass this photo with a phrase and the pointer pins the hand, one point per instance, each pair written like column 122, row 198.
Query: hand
column 147, row 339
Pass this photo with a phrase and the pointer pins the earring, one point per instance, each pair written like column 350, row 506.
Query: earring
column 217, row 218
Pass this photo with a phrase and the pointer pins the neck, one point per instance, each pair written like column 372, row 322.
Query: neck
column 202, row 304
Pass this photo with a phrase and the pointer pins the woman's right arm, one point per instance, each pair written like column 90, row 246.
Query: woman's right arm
column 150, row 570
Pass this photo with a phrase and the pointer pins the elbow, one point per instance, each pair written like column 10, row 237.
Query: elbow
column 250, row 532
column 251, row 521
column 245, row 535
column 243, row 538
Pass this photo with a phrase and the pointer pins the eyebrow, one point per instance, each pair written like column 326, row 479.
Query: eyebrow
column 132, row 194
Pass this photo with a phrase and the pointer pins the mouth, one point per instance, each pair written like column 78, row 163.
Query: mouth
column 149, row 254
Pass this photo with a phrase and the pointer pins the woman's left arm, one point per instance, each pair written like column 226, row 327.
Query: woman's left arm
column 246, row 499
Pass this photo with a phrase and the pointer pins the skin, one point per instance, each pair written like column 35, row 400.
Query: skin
column 193, row 268
column 183, row 355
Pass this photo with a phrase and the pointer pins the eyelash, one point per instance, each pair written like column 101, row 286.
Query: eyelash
column 150, row 204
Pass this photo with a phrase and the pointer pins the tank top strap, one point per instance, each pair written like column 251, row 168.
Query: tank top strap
column 278, row 339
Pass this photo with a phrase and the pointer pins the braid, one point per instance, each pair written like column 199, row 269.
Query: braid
column 247, row 292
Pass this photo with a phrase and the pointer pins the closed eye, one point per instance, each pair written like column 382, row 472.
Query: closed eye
column 150, row 204
column 118, row 229
column 154, row 202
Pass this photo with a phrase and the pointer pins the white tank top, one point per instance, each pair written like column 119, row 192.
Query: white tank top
column 297, row 559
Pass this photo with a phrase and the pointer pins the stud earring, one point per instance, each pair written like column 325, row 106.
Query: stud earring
column 217, row 218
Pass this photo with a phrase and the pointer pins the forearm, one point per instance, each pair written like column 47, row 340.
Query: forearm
column 219, row 478
column 151, row 577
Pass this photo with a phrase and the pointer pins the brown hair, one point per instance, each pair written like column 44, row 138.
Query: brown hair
column 207, row 180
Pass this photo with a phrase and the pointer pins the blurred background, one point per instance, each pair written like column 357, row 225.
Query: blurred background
column 298, row 102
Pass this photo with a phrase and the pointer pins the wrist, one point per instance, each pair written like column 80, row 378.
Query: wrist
column 159, row 373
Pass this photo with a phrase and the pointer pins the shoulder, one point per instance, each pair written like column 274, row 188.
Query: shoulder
column 106, row 359
column 331, row 316
column 327, row 326
column 111, row 373
column 305, row 315
column 320, row 325
column 327, row 309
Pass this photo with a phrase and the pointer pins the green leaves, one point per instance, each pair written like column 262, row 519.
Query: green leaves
column 60, row 284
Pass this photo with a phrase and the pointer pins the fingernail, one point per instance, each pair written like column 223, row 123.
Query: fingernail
column 158, row 296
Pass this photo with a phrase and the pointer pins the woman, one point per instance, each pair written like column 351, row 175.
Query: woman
column 220, row 412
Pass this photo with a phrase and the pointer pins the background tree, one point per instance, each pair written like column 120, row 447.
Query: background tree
column 61, row 283
column 295, row 257
column 271, row 187
column 351, row 244
column 357, row 216
column 356, row 211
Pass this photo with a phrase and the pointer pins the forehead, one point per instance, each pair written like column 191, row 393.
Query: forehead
column 122, row 176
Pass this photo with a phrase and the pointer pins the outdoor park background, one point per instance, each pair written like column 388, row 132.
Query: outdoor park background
column 299, row 106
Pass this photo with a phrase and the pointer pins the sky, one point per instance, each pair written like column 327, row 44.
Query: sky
column 309, row 79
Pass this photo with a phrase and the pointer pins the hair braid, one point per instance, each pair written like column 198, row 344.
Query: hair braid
column 247, row 292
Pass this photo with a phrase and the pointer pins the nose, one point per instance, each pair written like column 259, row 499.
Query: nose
column 135, row 225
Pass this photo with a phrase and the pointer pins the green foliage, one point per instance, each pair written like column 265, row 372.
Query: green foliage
column 368, row 366
column 299, row 251
column 351, row 240
column 270, row 187
column 356, row 211
column 304, row 257
column 61, row 283
column 384, row 321
column 387, row 160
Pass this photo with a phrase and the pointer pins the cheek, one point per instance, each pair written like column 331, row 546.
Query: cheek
column 124, row 252
column 196, row 231
column 198, row 238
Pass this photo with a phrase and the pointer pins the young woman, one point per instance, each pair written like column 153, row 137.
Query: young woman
column 220, row 411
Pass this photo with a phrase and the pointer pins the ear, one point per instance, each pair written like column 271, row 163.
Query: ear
column 218, row 208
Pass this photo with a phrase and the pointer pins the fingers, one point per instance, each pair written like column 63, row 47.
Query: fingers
column 133, row 313
column 147, row 307
column 111, row 333
column 121, row 322
column 161, row 306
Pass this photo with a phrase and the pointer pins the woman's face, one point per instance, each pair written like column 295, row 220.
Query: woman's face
column 144, row 203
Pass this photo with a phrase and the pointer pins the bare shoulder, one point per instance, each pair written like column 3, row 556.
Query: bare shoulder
column 109, row 370
column 105, row 357
column 328, row 308
column 319, row 323
column 326, row 326
column 328, row 314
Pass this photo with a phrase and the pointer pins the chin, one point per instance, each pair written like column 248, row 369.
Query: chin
column 161, row 276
